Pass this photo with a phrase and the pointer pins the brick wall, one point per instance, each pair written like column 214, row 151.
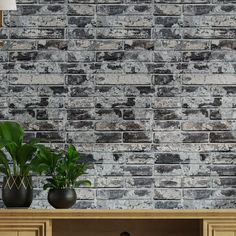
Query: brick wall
column 146, row 89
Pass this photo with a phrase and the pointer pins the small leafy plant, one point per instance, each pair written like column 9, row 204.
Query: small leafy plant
column 16, row 157
column 62, row 167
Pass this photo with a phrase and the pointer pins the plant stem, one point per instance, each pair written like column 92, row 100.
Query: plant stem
column 14, row 167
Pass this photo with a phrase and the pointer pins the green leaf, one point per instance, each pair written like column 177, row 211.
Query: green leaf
column 50, row 186
column 25, row 169
column 4, row 170
column 72, row 154
column 25, row 153
column 11, row 140
column 5, row 163
column 11, row 131
column 11, row 148
column 47, row 160
column 34, row 141
column 82, row 182
column 61, row 165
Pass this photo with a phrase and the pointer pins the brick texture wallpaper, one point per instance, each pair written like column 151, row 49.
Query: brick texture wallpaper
column 145, row 89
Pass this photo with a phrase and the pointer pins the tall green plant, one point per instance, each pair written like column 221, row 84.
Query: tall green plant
column 12, row 149
column 62, row 167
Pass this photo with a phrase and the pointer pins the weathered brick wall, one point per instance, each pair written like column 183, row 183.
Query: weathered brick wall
column 144, row 88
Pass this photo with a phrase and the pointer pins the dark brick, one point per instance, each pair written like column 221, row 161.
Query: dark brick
column 195, row 137
column 108, row 137
column 136, row 137
column 80, row 114
column 167, row 158
column 167, row 114
column 52, row 136
column 222, row 137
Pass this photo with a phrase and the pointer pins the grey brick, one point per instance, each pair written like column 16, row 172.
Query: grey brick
column 222, row 137
column 167, row 114
column 197, row 170
column 167, row 33
column 26, row 33
column 167, row 10
column 138, row 170
column 168, row 182
column 137, row 137
column 166, row 125
column 79, row 103
column 109, row 182
column 124, row 21
column 172, row 194
column 198, row 194
column 81, row 21
column 224, row 170
column 163, row 204
column 108, row 137
column 139, row 158
column 109, row 114
column 223, row 44
column 167, row 102
column 137, row 114
column 196, row 182
column 80, row 114
column 51, row 136
column 167, row 169
column 121, row 33
column 212, row 125
column 124, row 79
column 140, row 182
column 95, row 45
column 201, row 102
column 81, row 33
column 76, row 9
column 128, row 125
column 139, row 44
column 224, row 182
column 123, row 9
column 81, row 137
column 223, row 158
column 52, row 44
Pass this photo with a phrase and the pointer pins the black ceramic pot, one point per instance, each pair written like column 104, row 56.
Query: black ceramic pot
column 17, row 191
column 62, row 198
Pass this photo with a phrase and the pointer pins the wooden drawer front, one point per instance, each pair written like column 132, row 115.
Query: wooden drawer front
column 25, row 228
column 8, row 233
column 219, row 228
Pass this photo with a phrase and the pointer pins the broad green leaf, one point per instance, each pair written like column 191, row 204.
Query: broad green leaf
column 11, row 131
column 11, row 139
column 25, row 153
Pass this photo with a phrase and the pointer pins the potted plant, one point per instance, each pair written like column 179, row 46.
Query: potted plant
column 63, row 170
column 16, row 160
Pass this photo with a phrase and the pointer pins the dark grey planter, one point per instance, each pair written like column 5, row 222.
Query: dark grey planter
column 17, row 191
column 62, row 198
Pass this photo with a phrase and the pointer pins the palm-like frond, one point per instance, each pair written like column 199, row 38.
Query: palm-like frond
column 62, row 166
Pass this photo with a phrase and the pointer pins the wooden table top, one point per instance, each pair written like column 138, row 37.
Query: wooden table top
column 118, row 214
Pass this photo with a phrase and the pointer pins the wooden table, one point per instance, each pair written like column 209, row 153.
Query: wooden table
column 30, row 222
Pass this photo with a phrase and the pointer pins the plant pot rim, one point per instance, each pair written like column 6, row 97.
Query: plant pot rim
column 62, row 188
